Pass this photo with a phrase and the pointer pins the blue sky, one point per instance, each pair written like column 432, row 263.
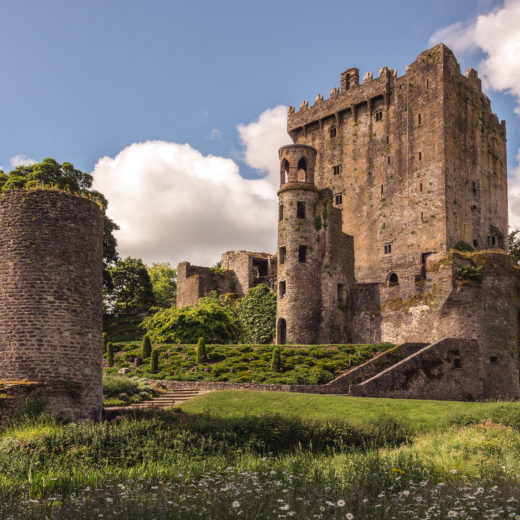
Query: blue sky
column 83, row 80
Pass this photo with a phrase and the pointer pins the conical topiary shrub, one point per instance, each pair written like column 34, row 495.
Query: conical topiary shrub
column 202, row 356
column 147, row 347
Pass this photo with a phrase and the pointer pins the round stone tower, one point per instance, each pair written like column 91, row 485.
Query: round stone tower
column 299, row 259
column 51, row 253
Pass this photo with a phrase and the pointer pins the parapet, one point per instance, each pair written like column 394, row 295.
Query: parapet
column 297, row 163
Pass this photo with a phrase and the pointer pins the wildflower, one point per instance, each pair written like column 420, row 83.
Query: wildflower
column 285, row 507
column 109, row 499
column 406, row 492
column 397, row 470
column 341, row 503
column 236, row 504
column 349, row 516
column 453, row 472
column 452, row 514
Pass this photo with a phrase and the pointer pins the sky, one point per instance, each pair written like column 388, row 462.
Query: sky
column 178, row 108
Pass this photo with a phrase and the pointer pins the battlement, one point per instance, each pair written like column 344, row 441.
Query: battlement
column 354, row 94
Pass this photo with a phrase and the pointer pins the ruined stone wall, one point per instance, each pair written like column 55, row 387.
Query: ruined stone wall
column 51, row 252
column 243, row 264
column 446, row 305
column 195, row 282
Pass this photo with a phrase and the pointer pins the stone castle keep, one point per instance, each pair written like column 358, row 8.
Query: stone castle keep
column 383, row 180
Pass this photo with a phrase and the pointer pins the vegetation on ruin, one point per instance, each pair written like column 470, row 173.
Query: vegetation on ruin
column 463, row 246
column 461, row 462
column 256, row 313
column 299, row 365
column 469, row 272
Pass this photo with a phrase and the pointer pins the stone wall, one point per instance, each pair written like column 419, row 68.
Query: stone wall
column 51, row 252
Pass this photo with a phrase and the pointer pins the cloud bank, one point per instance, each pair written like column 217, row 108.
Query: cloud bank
column 173, row 203
column 497, row 35
column 21, row 160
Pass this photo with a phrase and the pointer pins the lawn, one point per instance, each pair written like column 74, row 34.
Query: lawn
column 418, row 415
column 268, row 455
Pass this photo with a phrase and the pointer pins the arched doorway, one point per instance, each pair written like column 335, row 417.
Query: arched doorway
column 281, row 335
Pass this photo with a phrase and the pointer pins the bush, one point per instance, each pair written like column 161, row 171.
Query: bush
column 114, row 386
column 202, row 356
column 210, row 318
column 276, row 360
column 463, row 246
column 110, row 354
column 147, row 347
column 468, row 272
column 154, row 362
column 257, row 315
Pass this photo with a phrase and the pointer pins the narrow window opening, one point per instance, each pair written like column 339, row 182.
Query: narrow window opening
column 420, row 186
column 300, row 210
column 419, row 119
column 379, row 115
column 338, row 199
column 336, row 170
column 332, row 132
column 302, row 254
column 388, row 249
column 457, row 363
column 284, row 172
column 280, row 212
column 387, row 159
column 382, row 190
column 283, row 252
column 475, row 243
column 422, row 215
column 427, row 83
column 493, row 359
column 302, row 170
column 420, row 156
column 387, row 140
column 282, row 332
column 282, row 288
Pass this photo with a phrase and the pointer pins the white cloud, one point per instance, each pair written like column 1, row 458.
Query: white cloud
column 497, row 35
column 173, row 203
column 21, row 160
column 215, row 135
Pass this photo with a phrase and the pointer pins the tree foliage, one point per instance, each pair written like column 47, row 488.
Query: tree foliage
column 514, row 244
column 164, row 283
column 50, row 174
column 257, row 315
column 146, row 348
column 210, row 318
column 132, row 289
column 201, row 354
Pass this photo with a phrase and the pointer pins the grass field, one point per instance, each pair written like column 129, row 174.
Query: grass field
column 259, row 455
column 416, row 414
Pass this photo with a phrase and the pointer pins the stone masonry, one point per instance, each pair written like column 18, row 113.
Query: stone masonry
column 51, row 251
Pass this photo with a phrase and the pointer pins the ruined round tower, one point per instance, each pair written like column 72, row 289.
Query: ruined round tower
column 299, row 263
column 51, row 252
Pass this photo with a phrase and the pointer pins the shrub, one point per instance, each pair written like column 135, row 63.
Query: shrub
column 257, row 315
column 468, row 272
column 105, row 341
column 210, row 318
column 114, row 386
column 147, row 347
column 202, row 356
column 463, row 246
column 154, row 361
column 123, row 397
column 110, row 354
column 276, row 360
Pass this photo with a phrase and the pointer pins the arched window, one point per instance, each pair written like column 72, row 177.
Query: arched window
column 302, row 170
column 393, row 279
column 281, row 332
column 284, row 172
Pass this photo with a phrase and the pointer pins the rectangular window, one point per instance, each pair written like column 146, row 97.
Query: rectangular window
column 379, row 115
column 388, row 249
column 282, row 289
column 300, row 210
column 282, row 254
column 475, row 244
column 387, row 159
column 420, row 186
column 280, row 212
column 302, row 254
column 419, row 119
column 332, row 132
column 338, row 199
column 420, row 156
column 336, row 170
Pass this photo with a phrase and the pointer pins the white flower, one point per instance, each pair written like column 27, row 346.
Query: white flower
column 452, row 514
column 453, row 472
column 341, row 503
column 285, row 507
column 236, row 504
column 406, row 492
column 109, row 499
column 349, row 516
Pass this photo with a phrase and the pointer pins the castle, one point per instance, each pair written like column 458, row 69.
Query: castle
column 383, row 180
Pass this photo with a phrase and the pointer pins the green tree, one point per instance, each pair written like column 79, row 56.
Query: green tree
column 276, row 360
column 257, row 315
column 110, row 354
column 210, row 318
column 164, row 283
column 105, row 341
column 514, row 244
column 202, row 356
column 132, row 289
column 146, row 348
column 154, row 361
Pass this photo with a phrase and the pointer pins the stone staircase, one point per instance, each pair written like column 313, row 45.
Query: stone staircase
column 170, row 398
